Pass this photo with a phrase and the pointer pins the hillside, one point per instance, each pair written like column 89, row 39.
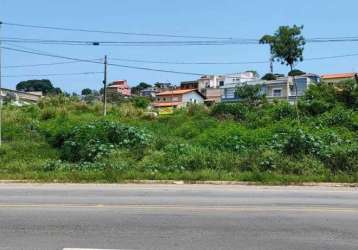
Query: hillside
column 64, row 139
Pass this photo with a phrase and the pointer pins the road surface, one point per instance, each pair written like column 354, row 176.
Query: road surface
column 146, row 217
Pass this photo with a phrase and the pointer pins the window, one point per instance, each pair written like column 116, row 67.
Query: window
column 277, row 92
column 175, row 99
column 221, row 83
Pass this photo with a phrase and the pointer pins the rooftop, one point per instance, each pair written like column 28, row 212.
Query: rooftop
column 175, row 92
column 340, row 75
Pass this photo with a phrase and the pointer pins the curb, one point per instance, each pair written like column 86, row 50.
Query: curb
column 178, row 182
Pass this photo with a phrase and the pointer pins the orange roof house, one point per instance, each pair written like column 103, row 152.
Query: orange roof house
column 333, row 78
column 178, row 98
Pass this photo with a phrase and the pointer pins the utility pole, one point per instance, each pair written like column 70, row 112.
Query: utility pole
column 0, row 90
column 105, row 87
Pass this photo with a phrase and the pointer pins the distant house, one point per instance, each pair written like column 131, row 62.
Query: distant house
column 334, row 78
column 210, row 82
column 283, row 88
column 149, row 92
column 189, row 85
column 21, row 96
column 178, row 98
column 120, row 86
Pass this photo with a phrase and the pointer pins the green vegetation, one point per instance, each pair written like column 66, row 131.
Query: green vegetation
column 43, row 85
column 63, row 139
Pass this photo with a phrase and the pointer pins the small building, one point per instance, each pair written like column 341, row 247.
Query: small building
column 21, row 96
column 210, row 82
column 283, row 88
column 189, row 85
column 149, row 92
column 120, row 86
column 334, row 78
column 178, row 98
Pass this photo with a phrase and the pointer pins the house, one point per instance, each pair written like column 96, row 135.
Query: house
column 21, row 96
column 120, row 86
column 232, row 81
column 283, row 88
column 178, row 98
column 334, row 78
column 189, row 85
column 149, row 92
column 210, row 81
column 240, row 78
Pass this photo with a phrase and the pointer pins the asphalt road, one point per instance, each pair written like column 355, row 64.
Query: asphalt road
column 142, row 217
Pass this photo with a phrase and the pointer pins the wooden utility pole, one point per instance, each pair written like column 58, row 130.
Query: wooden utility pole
column 105, row 87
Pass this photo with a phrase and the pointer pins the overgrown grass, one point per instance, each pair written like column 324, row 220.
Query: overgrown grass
column 66, row 140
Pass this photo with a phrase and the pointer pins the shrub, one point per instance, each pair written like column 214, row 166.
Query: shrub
column 230, row 110
column 338, row 116
column 141, row 102
column 343, row 158
column 94, row 140
column 283, row 110
column 296, row 142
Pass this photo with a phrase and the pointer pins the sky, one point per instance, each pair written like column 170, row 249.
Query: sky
column 224, row 18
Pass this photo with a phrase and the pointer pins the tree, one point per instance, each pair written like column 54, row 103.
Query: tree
column 287, row 46
column 269, row 77
column 43, row 85
column 250, row 94
column 268, row 39
column 296, row 72
column 86, row 91
column 137, row 89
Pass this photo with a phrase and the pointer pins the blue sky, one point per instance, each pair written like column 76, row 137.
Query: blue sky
column 227, row 18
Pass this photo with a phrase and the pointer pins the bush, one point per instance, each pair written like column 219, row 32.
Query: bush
column 230, row 110
column 141, row 102
column 283, row 110
column 296, row 142
column 95, row 140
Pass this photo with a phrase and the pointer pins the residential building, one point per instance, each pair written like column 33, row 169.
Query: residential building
column 178, row 98
column 334, row 78
column 210, row 81
column 232, row 81
column 240, row 78
column 283, row 88
column 149, row 92
column 120, row 86
column 21, row 96
column 189, row 85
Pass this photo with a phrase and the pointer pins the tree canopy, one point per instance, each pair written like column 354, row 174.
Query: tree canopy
column 142, row 85
column 296, row 72
column 43, row 85
column 286, row 45
column 86, row 91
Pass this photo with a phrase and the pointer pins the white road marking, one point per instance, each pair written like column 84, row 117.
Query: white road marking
column 91, row 249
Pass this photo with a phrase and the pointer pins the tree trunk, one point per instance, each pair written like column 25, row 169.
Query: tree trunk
column 296, row 95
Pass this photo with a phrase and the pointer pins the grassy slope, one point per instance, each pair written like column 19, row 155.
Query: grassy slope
column 185, row 146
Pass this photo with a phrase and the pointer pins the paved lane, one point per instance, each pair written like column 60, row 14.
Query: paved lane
column 177, row 217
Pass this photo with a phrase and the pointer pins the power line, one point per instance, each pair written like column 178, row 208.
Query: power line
column 38, row 65
column 58, row 74
column 224, row 63
column 188, row 63
column 128, row 43
column 112, row 32
column 110, row 64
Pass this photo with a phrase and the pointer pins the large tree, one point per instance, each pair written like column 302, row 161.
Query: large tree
column 287, row 46
column 43, row 85
column 86, row 91
column 137, row 89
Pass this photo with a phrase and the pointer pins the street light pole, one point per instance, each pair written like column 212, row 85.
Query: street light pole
column 105, row 87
